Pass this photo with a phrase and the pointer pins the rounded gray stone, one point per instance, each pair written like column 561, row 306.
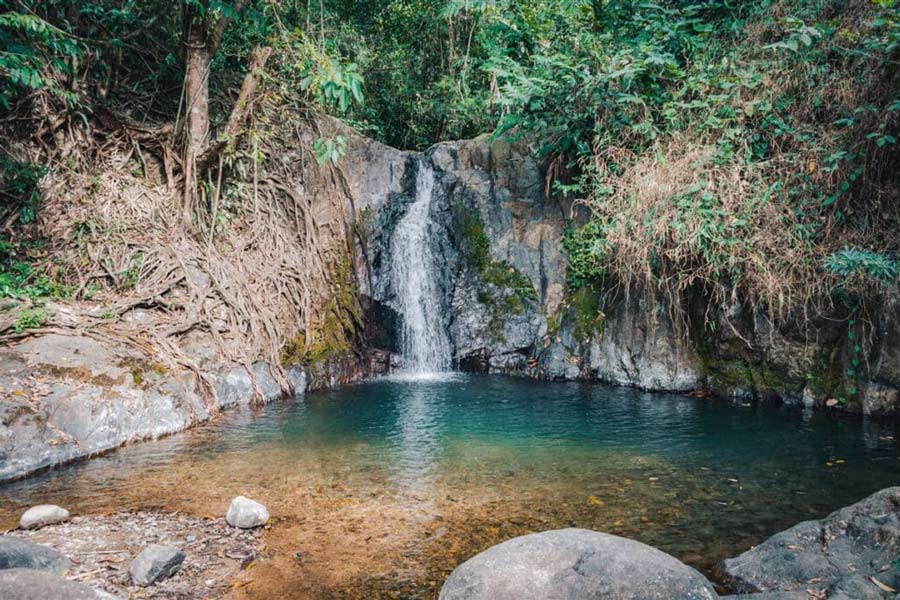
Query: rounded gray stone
column 573, row 564
column 155, row 563
column 41, row 515
column 28, row 584
column 20, row 554
column 245, row 513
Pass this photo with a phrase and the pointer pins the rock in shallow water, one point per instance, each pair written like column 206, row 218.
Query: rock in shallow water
column 155, row 563
column 570, row 564
column 245, row 513
column 19, row 554
column 41, row 515
column 27, row 584
column 844, row 554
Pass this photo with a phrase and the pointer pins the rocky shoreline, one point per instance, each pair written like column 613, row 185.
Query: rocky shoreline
column 69, row 397
column 849, row 555
column 143, row 554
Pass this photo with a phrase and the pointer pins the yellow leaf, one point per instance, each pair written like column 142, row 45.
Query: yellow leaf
column 883, row 587
column 595, row 500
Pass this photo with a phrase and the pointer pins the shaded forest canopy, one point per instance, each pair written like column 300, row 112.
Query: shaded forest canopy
column 743, row 148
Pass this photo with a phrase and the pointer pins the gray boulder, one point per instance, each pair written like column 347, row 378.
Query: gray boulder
column 771, row 596
column 26, row 584
column 155, row 563
column 571, row 564
column 19, row 554
column 245, row 513
column 41, row 515
column 843, row 554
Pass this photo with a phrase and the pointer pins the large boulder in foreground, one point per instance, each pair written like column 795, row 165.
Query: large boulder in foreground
column 19, row 554
column 26, row 584
column 570, row 564
column 848, row 554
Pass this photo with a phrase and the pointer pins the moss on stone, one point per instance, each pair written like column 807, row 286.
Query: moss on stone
column 505, row 290
column 335, row 333
column 474, row 242
column 588, row 315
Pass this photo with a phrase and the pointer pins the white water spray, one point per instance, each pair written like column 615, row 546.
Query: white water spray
column 424, row 343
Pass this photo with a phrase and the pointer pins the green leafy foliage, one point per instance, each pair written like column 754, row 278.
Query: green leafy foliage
column 850, row 262
column 30, row 318
column 35, row 55
column 18, row 280
column 330, row 150
column 19, row 191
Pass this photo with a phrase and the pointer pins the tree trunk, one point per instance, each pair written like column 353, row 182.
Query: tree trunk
column 226, row 139
column 196, row 96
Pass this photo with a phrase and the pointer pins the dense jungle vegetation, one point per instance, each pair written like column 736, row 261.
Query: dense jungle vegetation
column 746, row 147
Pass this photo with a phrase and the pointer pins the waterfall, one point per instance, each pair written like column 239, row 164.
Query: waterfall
column 424, row 343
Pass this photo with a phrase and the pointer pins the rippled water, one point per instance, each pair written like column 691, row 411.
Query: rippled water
column 489, row 457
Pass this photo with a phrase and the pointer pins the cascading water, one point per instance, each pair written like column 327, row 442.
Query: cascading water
column 424, row 342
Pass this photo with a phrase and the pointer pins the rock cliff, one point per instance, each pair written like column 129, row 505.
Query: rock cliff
column 508, row 309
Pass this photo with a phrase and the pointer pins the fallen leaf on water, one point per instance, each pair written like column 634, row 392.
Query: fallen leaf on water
column 839, row 461
column 883, row 587
column 829, row 464
column 831, row 402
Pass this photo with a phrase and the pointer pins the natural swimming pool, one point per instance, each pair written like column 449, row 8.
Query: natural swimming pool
column 387, row 485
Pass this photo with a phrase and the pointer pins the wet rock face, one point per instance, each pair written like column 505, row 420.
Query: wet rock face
column 19, row 554
column 67, row 397
column 568, row 564
column 641, row 347
column 846, row 554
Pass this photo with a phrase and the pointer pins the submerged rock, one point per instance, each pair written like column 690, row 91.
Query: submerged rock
column 43, row 514
column 575, row 563
column 19, row 554
column 245, row 513
column 155, row 563
column 27, row 584
column 848, row 554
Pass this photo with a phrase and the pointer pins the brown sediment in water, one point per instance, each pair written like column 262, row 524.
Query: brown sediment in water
column 345, row 526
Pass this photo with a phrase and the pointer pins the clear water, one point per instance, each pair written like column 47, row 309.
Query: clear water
column 479, row 459
column 425, row 345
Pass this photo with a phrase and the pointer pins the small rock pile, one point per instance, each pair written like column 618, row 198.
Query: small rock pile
column 118, row 555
